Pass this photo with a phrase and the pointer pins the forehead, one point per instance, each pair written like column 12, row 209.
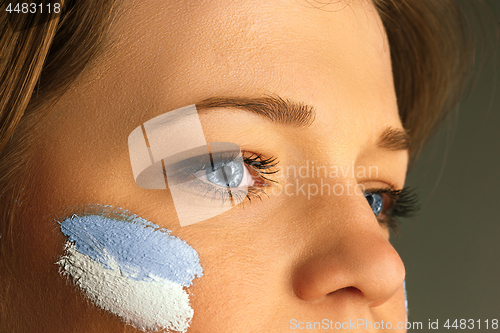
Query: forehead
column 162, row 55
column 187, row 50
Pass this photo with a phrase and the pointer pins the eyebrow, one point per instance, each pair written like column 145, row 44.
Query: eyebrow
column 394, row 139
column 276, row 109
column 283, row 111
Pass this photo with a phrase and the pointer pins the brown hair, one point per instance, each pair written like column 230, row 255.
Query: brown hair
column 40, row 56
column 40, row 59
column 432, row 55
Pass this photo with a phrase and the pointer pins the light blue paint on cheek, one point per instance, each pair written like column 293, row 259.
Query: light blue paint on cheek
column 130, row 267
column 142, row 250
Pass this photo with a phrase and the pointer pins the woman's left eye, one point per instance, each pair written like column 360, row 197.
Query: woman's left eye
column 376, row 202
column 227, row 174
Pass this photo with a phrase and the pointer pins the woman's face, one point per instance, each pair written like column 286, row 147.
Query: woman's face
column 277, row 264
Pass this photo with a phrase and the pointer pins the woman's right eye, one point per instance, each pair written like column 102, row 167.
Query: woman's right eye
column 222, row 176
column 231, row 174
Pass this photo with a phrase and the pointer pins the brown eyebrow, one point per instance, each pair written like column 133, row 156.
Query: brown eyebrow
column 276, row 109
column 284, row 111
column 394, row 139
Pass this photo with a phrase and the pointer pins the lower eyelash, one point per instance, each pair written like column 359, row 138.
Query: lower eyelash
column 255, row 193
column 223, row 195
column 392, row 223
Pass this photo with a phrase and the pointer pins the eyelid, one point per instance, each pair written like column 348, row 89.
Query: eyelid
column 195, row 162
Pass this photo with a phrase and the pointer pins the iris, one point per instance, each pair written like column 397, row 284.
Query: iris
column 376, row 202
column 227, row 174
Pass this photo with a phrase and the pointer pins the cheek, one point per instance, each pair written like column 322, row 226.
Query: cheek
column 131, row 268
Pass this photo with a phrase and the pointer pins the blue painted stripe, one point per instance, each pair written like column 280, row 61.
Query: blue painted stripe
column 141, row 249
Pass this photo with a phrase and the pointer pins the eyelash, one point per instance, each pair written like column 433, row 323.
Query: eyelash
column 262, row 166
column 402, row 203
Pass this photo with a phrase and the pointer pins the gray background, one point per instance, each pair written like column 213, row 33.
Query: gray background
column 451, row 249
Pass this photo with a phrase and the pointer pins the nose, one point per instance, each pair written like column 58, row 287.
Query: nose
column 349, row 257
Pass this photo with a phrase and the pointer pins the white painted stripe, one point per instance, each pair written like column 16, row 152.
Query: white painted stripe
column 148, row 305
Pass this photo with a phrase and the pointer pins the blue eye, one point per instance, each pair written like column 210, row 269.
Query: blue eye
column 376, row 202
column 226, row 174
column 214, row 175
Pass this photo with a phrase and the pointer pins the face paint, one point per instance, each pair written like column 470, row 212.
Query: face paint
column 132, row 268
column 406, row 299
column 167, row 150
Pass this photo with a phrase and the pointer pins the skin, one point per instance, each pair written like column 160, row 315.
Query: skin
column 278, row 259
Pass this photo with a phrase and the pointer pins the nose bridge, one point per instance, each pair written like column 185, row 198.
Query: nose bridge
column 315, row 179
column 348, row 251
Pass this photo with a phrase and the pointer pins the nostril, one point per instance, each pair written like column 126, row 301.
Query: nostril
column 350, row 289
